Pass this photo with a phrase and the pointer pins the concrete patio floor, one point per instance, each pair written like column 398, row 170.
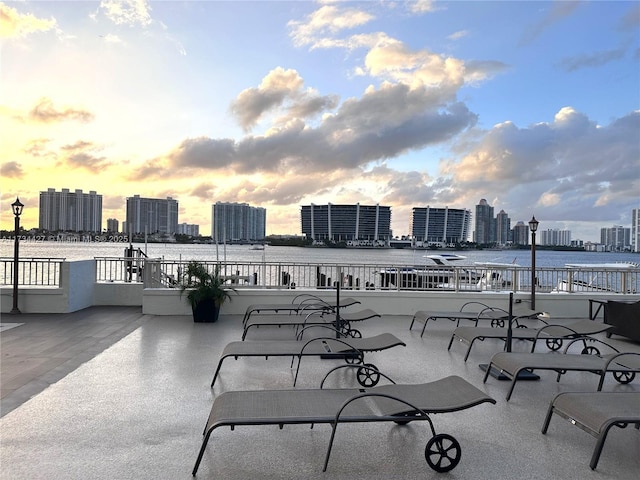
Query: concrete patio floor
column 134, row 405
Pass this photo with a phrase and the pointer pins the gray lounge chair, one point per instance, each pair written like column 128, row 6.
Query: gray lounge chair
column 553, row 335
column 304, row 302
column 397, row 403
column 312, row 318
column 596, row 413
column 352, row 349
column 623, row 365
column 472, row 311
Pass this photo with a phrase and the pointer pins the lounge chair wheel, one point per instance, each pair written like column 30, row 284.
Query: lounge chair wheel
column 497, row 322
column 624, row 377
column 368, row 375
column 554, row 344
column 442, row 452
column 590, row 351
column 355, row 359
column 353, row 333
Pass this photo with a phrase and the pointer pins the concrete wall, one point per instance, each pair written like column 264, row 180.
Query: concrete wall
column 575, row 305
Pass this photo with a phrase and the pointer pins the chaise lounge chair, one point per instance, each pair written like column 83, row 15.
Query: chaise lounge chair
column 596, row 413
column 623, row 365
column 304, row 302
column 397, row 403
column 472, row 311
column 351, row 349
column 553, row 335
column 313, row 318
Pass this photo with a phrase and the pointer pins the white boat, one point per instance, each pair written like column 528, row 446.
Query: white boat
column 487, row 276
column 428, row 276
column 599, row 277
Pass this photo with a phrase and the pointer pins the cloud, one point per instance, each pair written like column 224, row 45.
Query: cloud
column 562, row 165
column 80, row 155
column 355, row 135
column 11, row 170
column 592, row 60
column 393, row 60
column 45, row 112
column 631, row 20
column 127, row 12
column 458, row 35
column 422, row 6
column 558, row 11
column 327, row 20
column 280, row 89
column 16, row 25
column 39, row 148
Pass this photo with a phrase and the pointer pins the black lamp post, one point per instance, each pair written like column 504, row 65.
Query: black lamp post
column 16, row 207
column 533, row 226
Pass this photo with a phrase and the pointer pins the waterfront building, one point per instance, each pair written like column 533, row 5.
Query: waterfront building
column 485, row 232
column 189, row 229
column 237, row 222
column 520, row 233
column 616, row 238
column 112, row 225
column 635, row 230
column 363, row 225
column 151, row 215
column 555, row 237
column 70, row 211
column 503, row 228
column 441, row 226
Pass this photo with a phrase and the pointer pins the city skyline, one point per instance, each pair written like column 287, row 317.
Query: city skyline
column 254, row 217
column 531, row 105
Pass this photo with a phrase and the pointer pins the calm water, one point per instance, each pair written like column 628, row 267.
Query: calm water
column 241, row 253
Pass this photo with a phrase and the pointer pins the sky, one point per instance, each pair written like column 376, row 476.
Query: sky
column 533, row 106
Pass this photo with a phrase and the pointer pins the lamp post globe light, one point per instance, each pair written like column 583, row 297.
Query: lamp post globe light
column 533, row 226
column 16, row 208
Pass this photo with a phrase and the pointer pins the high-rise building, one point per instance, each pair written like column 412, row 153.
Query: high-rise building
column 616, row 238
column 112, row 225
column 440, row 225
column 237, row 222
column 189, row 229
column 520, row 233
column 151, row 215
column 485, row 232
column 503, row 228
column 555, row 237
column 70, row 211
column 361, row 224
column 635, row 229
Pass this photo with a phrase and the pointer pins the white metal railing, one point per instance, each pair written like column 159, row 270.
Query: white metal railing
column 44, row 272
column 159, row 273
column 167, row 273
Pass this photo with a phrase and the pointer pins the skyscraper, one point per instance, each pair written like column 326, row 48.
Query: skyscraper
column 237, row 222
column 555, row 237
column 112, row 225
column 616, row 238
column 521, row 233
column 503, row 228
column 485, row 224
column 151, row 215
column 440, row 225
column 635, row 229
column 70, row 211
column 346, row 223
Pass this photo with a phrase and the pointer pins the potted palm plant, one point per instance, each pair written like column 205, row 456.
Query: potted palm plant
column 206, row 291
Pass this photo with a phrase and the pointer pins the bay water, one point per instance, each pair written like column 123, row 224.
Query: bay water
column 277, row 254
